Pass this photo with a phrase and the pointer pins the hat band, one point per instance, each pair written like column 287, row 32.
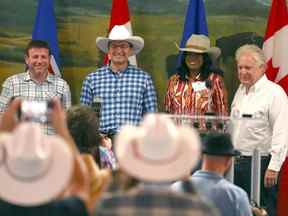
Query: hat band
column 138, row 155
column 196, row 47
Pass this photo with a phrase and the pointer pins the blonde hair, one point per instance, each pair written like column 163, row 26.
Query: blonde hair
column 255, row 51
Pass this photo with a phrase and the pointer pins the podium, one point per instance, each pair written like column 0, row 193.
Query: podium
column 206, row 124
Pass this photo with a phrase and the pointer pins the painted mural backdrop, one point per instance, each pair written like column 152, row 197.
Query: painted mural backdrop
column 160, row 22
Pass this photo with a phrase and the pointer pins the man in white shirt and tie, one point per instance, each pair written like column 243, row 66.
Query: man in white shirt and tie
column 267, row 102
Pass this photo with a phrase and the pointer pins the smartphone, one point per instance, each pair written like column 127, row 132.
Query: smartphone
column 35, row 111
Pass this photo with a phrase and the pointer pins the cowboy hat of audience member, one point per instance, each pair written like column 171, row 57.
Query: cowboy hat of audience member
column 120, row 33
column 157, row 150
column 200, row 44
column 34, row 168
column 219, row 144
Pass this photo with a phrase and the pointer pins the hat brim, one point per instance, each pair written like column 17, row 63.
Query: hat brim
column 229, row 153
column 137, row 43
column 181, row 165
column 213, row 52
column 46, row 187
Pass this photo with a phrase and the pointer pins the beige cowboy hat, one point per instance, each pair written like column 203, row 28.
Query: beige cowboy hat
column 200, row 44
column 34, row 168
column 157, row 150
column 120, row 33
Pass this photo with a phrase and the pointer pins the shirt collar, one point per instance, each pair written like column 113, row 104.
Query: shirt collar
column 208, row 173
column 121, row 72
column 257, row 85
column 49, row 78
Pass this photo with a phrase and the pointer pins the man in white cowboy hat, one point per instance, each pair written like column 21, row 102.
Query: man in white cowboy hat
column 155, row 153
column 197, row 88
column 231, row 200
column 125, row 92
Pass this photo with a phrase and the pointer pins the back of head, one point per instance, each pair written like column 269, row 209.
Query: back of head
column 219, row 144
column 83, row 125
column 157, row 150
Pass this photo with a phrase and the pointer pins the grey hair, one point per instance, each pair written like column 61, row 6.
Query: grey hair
column 254, row 50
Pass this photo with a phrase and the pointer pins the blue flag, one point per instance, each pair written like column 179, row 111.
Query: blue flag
column 195, row 23
column 45, row 29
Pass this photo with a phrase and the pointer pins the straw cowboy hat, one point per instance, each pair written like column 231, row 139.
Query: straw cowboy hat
column 219, row 144
column 120, row 33
column 34, row 168
column 200, row 44
column 157, row 150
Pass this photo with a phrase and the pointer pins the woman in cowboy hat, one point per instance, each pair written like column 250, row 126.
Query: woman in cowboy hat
column 196, row 88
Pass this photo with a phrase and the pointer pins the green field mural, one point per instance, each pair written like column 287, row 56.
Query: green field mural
column 80, row 22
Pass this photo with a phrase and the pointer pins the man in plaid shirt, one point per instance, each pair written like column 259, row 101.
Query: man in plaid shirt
column 36, row 84
column 126, row 92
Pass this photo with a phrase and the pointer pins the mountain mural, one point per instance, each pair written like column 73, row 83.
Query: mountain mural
column 22, row 13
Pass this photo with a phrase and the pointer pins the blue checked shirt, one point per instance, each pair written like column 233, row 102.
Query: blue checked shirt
column 125, row 97
column 21, row 85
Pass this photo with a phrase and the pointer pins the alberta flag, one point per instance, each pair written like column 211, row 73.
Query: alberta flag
column 45, row 29
column 195, row 22
column 120, row 16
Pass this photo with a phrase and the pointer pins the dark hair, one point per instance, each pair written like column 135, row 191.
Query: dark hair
column 37, row 44
column 83, row 125
column 205, row 70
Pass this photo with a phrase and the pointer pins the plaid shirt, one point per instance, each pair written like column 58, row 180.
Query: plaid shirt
column 21, row 85
column 153, row 202
column 125, row 96
column 181, row 98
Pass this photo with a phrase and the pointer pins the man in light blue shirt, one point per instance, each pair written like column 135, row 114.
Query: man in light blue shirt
column 230, row 199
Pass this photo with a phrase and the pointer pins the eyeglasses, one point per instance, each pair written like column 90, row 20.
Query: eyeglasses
column 121, row 46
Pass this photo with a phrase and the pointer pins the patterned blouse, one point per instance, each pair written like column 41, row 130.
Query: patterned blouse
column 191, row 97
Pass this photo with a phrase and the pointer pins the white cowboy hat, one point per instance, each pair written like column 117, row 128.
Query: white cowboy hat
column 157, row 151
column 35, row 168
column 200, row 44
column 120, row 33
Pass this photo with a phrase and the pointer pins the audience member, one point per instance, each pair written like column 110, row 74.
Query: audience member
column 41, row 175
column 156, row 153
column 230, row 199
column 267, row 103
column 83, row 125
column 125, row 92
column 36, row 84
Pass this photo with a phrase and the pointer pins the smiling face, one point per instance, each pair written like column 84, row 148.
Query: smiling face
column 37, row 60
column 194, row 61
column 248, row 70
column 119, row 52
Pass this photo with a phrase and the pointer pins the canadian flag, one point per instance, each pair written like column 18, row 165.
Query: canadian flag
column 276, row 50
column 120, row 16
column 276, row 44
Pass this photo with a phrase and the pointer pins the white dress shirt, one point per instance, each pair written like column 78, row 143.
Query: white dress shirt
column 268, row 103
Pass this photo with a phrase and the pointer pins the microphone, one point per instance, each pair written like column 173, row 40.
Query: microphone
column 96, row 106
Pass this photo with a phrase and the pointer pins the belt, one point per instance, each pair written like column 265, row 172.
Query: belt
column 245, row 157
